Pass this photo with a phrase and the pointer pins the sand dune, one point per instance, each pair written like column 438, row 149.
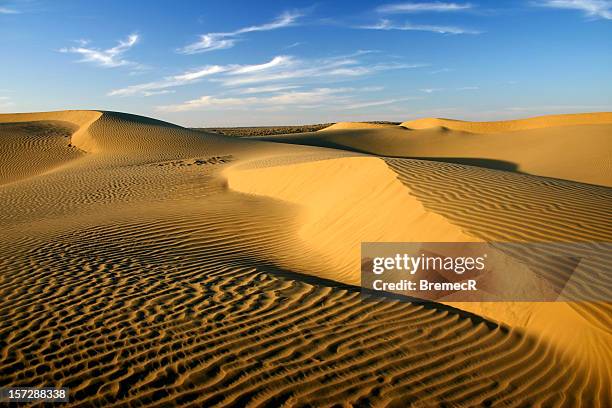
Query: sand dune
column 341, row 198
column 570, row 147
column 539, row 122
column 145, row 263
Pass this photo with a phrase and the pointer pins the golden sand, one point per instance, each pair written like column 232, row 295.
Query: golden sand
column 145, row 263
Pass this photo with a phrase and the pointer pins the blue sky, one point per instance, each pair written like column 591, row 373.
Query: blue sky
column 214, row 63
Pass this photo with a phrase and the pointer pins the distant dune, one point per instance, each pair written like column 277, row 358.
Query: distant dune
column 539, row 122
column 571, row 147
column 146, row 263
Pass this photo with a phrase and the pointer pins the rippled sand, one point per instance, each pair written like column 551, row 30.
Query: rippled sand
column 142, row 263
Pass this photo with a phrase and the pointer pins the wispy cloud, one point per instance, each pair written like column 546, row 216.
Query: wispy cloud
column 431, row 90
column 168, row 82
column 303, row 98
column 5, row 102
column 461, row 88
column 400, row 8
column 110, row 58
column 219, row 41
column 267, row 89
column 197, row 75
column 295, row 44
column 370, row 104
column 8, row 10
column 388, row 25
column 282, row 68
column 162, row 92
column 331, row 98
column 372, row 88
column 308, row 70
column 591, row 8
column 276, row 62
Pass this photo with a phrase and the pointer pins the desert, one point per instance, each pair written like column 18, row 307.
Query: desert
column 306, row 204
column 147, row 263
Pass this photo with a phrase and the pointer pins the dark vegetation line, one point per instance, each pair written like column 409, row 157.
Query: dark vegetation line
column 248, row 131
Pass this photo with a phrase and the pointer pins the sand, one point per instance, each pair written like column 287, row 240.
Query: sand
column 145, row 263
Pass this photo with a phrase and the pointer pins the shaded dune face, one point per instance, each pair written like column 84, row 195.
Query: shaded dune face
column 148, row 264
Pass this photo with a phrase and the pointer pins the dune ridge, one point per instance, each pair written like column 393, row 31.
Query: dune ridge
column 163, row 266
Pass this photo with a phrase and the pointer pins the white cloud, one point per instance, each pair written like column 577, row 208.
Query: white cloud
column 267, row 89
column 388, row 25
column 280, row 68
column 197, row 75
column 200, row 73
column 462, row 88
column 295, row 44
column 209, row 42
column 218, row 41
column 592, row 8
column 431, row 90
column 286, row 19
column 279, row 61
column 372, row 88
column 330, row 98
column 423, row 7
column 111, row 57
column 168, row 82
column 369, row 104
column 153, row 93
column 279, row 100
column 333, row 68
